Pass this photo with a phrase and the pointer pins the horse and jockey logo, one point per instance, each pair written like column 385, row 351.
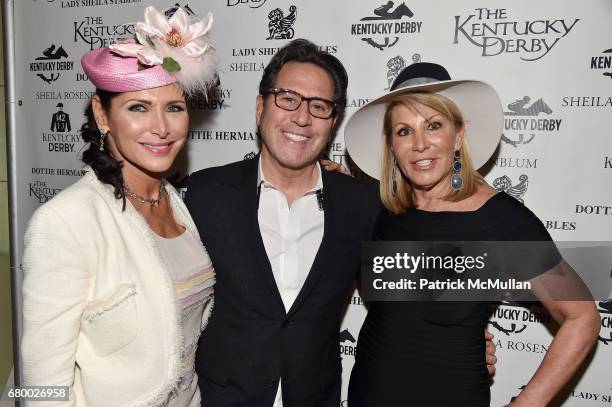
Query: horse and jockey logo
column 383, row 29
column 522, row 116
column 50, row 63
column 387, row 12
column 504, row 184
column 512, row 318
column 280, row 26
column 520, row 108
column 52, row 53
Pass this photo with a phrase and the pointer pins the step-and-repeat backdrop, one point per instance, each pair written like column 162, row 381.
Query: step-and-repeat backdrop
column 550, row 61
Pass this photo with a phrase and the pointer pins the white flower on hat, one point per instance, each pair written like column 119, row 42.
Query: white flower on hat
column 179, row 44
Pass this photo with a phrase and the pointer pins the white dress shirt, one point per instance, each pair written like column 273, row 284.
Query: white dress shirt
column 291, row 237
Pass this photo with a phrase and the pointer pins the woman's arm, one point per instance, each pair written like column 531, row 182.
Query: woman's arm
column 55, row 288
column 579, row 327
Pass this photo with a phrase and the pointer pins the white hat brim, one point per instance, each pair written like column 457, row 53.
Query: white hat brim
column 478, row 102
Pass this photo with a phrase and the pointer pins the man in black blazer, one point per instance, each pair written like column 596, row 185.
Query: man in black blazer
column 265, row 347
column 252, row 342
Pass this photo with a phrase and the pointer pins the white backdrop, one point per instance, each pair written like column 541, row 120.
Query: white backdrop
column 550, row 62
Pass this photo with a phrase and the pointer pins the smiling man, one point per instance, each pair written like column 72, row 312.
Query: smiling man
column 284, row 237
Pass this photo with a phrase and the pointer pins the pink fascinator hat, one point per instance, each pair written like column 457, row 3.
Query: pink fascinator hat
column 166, row 50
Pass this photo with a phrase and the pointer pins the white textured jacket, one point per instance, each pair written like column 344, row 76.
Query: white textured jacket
column 99, row 309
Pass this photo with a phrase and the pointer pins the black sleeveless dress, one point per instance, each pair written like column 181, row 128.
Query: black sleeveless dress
column 433, row 353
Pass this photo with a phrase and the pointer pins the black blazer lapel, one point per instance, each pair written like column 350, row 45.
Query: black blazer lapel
column 332, row 197
column 246, row 212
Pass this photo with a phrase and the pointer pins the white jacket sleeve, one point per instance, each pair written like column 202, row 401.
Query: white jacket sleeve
column 55, row 289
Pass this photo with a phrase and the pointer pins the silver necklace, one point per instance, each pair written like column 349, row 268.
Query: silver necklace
column 143, row 200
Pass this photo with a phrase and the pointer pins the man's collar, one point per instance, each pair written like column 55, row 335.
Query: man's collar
column 262, row 181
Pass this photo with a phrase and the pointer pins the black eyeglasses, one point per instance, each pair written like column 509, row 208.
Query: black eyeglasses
column 291, row 100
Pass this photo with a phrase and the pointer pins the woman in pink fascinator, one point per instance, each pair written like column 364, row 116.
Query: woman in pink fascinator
column 117, row 285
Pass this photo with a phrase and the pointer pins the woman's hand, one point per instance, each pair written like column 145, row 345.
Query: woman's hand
column 332, row 166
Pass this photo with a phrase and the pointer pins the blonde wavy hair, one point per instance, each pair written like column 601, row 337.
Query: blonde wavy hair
column 403, row 199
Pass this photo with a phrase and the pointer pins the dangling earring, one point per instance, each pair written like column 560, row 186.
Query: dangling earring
column 456, row 178
column 102, row 135
column 393, row 180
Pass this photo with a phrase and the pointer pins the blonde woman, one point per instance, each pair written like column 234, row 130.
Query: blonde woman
column 430, row 353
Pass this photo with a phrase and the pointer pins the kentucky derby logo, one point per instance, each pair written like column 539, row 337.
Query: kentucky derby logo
column 60, row 139
column 504, row 184
column 512, row 320
column 605, row 311
column 523, row 120
column 42, row 192
column 395, row 65
column 347, row 349
column 603, row 62
column 509, row 318
column 215, row 99
column 93, row 31
column 280, row 26
column 495, row 33
column 52, row 62
column 384, row 28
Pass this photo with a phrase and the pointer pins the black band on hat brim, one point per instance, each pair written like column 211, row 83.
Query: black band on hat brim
column 425, row 72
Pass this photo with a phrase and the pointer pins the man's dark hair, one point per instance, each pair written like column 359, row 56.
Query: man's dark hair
column 302, row 50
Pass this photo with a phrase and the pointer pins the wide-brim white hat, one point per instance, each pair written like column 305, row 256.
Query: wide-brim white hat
column 478, row 102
